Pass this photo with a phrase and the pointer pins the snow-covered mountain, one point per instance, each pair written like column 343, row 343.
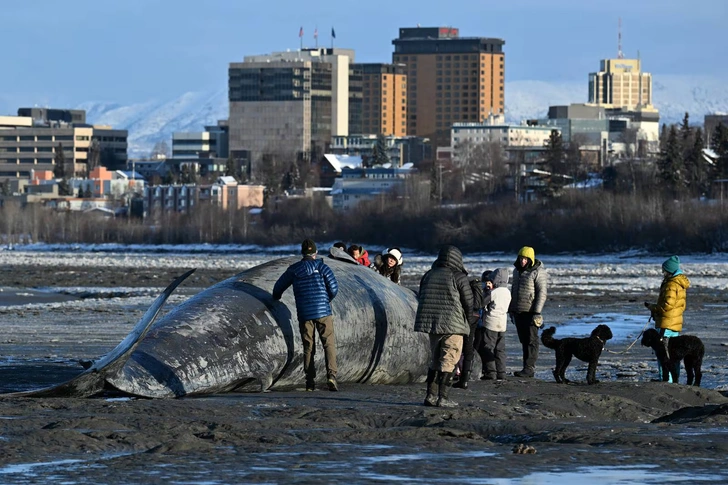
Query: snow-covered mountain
column 155, row 120
column 672, row 95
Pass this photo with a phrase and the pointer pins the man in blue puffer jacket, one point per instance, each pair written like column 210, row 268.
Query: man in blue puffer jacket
column 314, row 286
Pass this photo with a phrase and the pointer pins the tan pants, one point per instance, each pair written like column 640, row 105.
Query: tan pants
column 446, row 351
column 325, row 328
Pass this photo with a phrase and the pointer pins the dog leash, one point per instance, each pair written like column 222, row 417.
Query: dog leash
column 635, row 340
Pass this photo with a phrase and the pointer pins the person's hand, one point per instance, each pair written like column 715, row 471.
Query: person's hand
column 537, row 320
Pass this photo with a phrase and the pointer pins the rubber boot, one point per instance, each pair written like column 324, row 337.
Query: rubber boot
column 462, row 383
column 431, row 399
column 444, row 382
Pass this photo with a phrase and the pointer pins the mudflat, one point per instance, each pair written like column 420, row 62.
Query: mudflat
column 625, row 424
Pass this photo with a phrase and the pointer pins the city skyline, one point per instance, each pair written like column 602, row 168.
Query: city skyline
column 138, row 50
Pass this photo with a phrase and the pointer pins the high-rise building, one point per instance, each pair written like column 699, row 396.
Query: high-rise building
column 289, row 103
column 384, row 99
column 620, row 83
column 450, row 79
column 33, row 141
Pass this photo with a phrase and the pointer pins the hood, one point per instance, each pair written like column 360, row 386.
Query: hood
column 499, row 277
column 681, row 280
column 307, row 267
column 527, row 252
column 450, row 257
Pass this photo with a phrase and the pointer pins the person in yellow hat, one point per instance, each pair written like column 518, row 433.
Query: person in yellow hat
column 528, row 295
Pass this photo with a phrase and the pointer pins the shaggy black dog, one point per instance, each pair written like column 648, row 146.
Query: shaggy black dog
column 684, row 347
column 587, row 349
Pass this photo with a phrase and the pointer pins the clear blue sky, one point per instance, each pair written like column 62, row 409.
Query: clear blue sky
column 67, row 52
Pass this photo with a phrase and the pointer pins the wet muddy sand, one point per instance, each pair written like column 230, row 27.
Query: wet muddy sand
column 626, row 426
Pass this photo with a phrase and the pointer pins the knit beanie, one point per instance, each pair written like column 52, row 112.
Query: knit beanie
column 527, row 252
column 671, row 265
column 308, row 247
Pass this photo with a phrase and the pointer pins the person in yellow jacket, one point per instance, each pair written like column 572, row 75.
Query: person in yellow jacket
column 668, row 311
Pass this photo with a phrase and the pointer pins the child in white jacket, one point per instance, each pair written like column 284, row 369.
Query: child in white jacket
column 495, row 318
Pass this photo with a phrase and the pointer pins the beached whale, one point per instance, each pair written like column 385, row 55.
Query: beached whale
column 234, row 336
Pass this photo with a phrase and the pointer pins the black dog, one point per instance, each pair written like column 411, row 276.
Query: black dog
column 684, row 347
column 587, row 349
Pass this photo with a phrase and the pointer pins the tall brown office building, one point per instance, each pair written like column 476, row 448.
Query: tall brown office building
column 450, row 79
column 383, row 100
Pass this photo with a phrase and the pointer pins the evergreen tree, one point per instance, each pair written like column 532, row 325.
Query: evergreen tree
column 670, row 164
column 64, row 188
column 231, row 169
column 698, row 170
column 555, row 154
column 186, row 174
column 94, row 157
column 59, row 170
column 169, row 178
column 719, row 144
column 380, row 151
column 6, row 188
column 685, row 131
column 663, row 137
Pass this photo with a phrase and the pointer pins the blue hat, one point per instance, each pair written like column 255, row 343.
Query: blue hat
column 671, row 265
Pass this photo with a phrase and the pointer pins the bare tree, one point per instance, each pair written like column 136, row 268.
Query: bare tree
column 160, row 151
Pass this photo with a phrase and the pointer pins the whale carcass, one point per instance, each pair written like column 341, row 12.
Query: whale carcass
column 234, row 336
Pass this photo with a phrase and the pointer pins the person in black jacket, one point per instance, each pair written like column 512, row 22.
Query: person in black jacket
column 468, row 348
column 314, row 286
column 445, row 303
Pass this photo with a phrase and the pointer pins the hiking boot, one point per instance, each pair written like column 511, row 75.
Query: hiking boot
column 525, row 372
column 500, row 377
column 487, row 376
column 310, row 386
column 431, row 398
column 444, row 383
column 333, row 386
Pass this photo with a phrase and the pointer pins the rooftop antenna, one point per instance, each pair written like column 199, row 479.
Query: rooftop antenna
column 620, row 54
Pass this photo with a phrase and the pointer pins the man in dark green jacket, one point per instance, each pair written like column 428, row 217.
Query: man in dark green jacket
column 445, row 303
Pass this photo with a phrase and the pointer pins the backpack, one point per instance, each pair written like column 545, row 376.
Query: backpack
column 477, row 290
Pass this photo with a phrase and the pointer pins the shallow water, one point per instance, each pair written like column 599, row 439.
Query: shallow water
column 338, row 463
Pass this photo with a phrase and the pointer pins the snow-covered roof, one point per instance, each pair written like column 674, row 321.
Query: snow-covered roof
column 128, row 174
column 227, row 180
column 710, row 156
column 343, row 161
